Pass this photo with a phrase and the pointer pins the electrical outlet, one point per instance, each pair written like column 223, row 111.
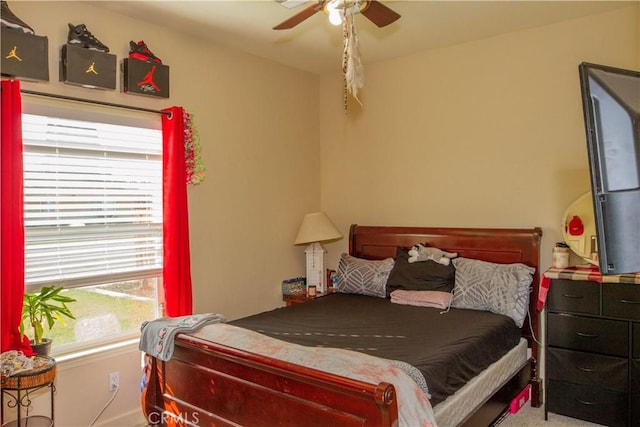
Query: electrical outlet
column 114, row 381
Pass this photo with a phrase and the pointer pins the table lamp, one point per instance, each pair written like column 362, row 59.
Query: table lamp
column 316, row 227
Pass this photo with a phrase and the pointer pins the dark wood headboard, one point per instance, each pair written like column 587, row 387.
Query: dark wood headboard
column 499, row 245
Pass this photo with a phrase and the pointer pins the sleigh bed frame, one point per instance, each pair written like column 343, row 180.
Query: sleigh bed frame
column 208, row 383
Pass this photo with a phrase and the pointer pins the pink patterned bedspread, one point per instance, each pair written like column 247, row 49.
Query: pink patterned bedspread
column 414, row 408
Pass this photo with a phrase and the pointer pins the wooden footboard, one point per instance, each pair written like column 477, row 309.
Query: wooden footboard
column 210, row 384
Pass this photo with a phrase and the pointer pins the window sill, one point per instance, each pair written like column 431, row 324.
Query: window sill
column 90, row 355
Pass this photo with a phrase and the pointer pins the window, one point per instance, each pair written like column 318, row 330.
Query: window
column 93, row 222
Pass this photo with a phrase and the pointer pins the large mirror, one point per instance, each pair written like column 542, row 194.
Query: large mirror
column 579, row 228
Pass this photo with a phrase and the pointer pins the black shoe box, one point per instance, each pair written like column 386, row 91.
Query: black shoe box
column 145, row 78
column 87, row 67
column 24, row 56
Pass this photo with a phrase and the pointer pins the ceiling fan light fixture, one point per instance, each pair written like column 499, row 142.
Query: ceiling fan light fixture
column 342, row 12
column 335, row 16
column 343, row 8
column 373, row 10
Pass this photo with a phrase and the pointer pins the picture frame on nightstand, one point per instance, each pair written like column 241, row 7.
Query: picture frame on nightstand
column 332, row 278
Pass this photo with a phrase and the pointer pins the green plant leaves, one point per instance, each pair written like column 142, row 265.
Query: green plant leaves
column 47, row 305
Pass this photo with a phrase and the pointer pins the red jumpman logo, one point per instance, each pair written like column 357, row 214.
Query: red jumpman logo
column 148, row 79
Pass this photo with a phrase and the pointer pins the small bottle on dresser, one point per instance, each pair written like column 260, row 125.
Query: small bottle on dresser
column 560, row 256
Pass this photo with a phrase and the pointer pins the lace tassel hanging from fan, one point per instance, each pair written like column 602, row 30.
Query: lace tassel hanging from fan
column 352, row 68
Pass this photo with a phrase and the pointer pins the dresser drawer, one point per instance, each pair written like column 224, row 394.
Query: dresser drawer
column 576, row 296
column 621, row 300
column 607, row 372
column 588, row 334
column 636, row 340
column 588, row 403
column 635, row 392
column 635, row 376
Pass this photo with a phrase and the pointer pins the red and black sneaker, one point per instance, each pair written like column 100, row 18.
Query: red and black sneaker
column 141, row 51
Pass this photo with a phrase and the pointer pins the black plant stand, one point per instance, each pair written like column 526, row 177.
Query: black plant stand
column 19, row 387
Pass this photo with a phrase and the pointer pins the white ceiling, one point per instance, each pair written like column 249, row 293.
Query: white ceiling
column 316, row 46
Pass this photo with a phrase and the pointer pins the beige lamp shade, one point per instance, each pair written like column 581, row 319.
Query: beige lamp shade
column 316, row 227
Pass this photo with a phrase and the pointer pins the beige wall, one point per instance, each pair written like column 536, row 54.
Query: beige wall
column 484, row 134
column 258, row 125
column 487, row 133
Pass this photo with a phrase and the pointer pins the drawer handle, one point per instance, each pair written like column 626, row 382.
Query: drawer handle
column 584, row 402
column 626, row 301
column 580, row 368
column 572, row 296
column 586, row 335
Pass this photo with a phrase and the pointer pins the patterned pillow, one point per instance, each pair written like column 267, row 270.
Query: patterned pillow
column 499, row 288
column 363, row 276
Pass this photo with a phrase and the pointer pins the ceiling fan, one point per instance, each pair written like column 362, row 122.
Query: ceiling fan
column 373, row 10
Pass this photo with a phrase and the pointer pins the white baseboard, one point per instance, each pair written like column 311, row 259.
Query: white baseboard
column 133, row 418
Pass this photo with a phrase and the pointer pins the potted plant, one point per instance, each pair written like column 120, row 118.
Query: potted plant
column 47, row 304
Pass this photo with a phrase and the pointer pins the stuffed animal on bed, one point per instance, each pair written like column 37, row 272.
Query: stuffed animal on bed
column 422, row 253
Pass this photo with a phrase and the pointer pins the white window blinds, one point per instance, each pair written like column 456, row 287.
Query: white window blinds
column 92, row 201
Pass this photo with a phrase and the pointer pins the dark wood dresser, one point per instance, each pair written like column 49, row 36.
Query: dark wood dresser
column 592, row 369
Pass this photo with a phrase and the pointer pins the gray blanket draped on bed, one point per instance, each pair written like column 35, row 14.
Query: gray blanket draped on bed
column 158, row 335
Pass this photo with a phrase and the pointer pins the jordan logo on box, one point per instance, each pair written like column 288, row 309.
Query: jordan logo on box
column 13, row 55
column 147, row 84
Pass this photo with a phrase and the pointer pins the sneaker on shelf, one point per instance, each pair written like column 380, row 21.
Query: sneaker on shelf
column 80, row 36
column 9, row 20
column 141, row 51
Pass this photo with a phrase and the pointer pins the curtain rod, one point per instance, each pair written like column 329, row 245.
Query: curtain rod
column 90, row 101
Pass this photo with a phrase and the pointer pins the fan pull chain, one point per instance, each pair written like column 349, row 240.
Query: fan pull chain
column 346, row 96
column 345, row 59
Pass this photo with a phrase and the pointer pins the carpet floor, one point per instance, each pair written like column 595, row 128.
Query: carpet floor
column 533, row 417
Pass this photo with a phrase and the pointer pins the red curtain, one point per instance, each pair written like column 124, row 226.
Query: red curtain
column 177, row 267
column 12, row 219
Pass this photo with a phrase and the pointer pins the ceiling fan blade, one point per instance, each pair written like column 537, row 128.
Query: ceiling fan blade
column 380, row 14
column 300, row 16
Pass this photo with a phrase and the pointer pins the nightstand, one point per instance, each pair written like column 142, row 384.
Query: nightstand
column 300, row 298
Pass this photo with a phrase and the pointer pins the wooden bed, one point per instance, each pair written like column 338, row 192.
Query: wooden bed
column 207, row 383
